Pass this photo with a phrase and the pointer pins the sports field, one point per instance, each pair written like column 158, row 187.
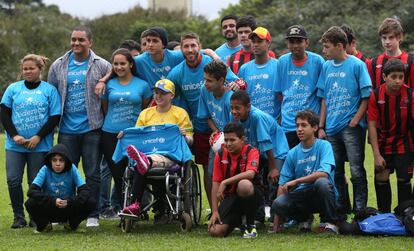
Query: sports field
column 146, row 236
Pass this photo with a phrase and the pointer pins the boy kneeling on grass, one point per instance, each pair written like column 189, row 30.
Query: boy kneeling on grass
column 58, row 193
column 235, row 192
column 306, row 183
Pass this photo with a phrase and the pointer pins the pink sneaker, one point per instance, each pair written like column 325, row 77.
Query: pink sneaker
column 132, row 209
column 139, row 157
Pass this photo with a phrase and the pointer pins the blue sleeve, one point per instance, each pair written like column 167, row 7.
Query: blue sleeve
column 55, row 103
column 77, row 177
column 364, row 80
column 327, row 160
column 173, row 75
column 321, row 83
column 178, row 56
column 288, row 170
column 242, row 73
column 277, row 86
column 263, row 137
column 7, row 98
column 282, row 146
column 202, row 111
column 40, row 177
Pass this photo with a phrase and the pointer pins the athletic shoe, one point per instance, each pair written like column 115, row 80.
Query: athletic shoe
column 109, row 214
column 306, row 226
column 32, row 223
column 132, row 209
column 140, row 158
column 92, row 222
column 328, row 228
column 250, row 234
column 48, row 228
column 19, row 222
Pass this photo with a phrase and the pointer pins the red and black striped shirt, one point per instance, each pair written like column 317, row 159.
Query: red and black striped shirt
column 361, row 56
column 375, row 68
column 236, row 60
column 391, row 111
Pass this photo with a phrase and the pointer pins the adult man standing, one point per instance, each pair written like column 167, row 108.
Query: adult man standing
column 188, row 77
column 228, row 30
column 75, row 75
column 260, row 74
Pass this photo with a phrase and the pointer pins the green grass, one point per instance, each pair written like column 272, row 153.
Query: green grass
column 146, row 236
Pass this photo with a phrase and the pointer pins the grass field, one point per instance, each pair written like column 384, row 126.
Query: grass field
column 146, row 236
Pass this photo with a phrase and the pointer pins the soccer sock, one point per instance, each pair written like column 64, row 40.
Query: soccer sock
column 404, row 190
column 383, row 192
column 249, row 205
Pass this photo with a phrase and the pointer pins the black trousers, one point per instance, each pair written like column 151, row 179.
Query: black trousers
column 43, row 214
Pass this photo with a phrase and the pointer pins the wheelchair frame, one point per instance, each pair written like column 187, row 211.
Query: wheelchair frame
column 185, row 202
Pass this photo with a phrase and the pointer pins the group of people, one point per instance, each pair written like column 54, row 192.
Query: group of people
column 289, row 125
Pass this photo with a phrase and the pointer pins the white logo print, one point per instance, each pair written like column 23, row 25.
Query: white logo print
column 294, row 31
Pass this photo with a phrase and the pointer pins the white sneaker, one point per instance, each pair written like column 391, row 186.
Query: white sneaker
column 92, row 222
column 267, row 212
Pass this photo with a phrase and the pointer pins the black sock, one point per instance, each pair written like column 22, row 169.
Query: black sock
column 383, row 192
column 404, row 191
column 249, row 205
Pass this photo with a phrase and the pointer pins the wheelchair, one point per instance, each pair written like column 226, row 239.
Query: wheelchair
column 182, row 183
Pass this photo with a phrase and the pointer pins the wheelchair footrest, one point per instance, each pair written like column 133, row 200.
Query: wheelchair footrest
column 130, row 216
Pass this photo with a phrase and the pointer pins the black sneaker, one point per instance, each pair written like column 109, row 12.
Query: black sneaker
column 32, row 223
column 19, row 223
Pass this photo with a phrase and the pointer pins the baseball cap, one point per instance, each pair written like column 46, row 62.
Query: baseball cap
column 296, row 31
column 262, row 33
column 165, row 85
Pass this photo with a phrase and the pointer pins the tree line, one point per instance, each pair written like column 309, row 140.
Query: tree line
column 32, row 27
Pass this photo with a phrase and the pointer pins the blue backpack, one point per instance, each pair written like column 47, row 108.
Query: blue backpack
column 382, row 224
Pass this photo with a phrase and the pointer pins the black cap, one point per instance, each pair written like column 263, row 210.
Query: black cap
column 162, row 33
column 296, row 31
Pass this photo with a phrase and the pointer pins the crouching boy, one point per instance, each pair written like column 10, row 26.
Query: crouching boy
column 58, row 193
column 235, row 192
column 306, row 183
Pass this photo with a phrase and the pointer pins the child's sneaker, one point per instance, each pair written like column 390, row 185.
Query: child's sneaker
column 140, row 158
column 132, row 209
column 328, row 228
column 250, row 234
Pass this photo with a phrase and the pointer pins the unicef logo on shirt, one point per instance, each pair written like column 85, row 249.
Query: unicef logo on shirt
column 265, row 76
column 313, row 158
column 167, row 68
column 342, row 74
column 160, row 140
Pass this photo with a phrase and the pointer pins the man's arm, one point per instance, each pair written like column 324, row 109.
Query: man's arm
column 215, row 216
column 379, row 162
column 322, row 119
column 273, row 172
column 305, row 179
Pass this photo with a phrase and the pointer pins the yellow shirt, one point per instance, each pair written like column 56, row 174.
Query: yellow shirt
column 175, row 115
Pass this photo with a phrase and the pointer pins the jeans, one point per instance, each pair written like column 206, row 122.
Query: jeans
column 108, row 197
column 300, row 204
column 15, row 162
column 350, row 144
column 86, row 145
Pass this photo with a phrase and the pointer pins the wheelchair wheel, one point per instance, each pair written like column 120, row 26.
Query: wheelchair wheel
column 186, row 222
column 192, row 194
column 126, row 225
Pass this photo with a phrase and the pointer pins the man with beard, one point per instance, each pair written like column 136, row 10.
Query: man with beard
column 228, row 30
column 188, row 77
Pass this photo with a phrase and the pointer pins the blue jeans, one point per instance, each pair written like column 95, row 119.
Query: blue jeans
column 87, row 146
column 349, row 144
column 15, row 162
column 107, row 197
column 300, row 204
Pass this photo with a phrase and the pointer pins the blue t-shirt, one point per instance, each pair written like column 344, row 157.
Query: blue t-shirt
column 59, row 185
column 224, row 51
column 263, row 132
column 298, row 87
column 31, row 110
column 216, row 109
column 75, row 117
column 260, row 81
column 124, row 103
column 161, row 139
column 343, row 86
column 188, row 82
column 151, row 71
column 302, row 162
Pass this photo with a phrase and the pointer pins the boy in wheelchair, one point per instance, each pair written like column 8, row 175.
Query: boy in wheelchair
column 163, row 113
